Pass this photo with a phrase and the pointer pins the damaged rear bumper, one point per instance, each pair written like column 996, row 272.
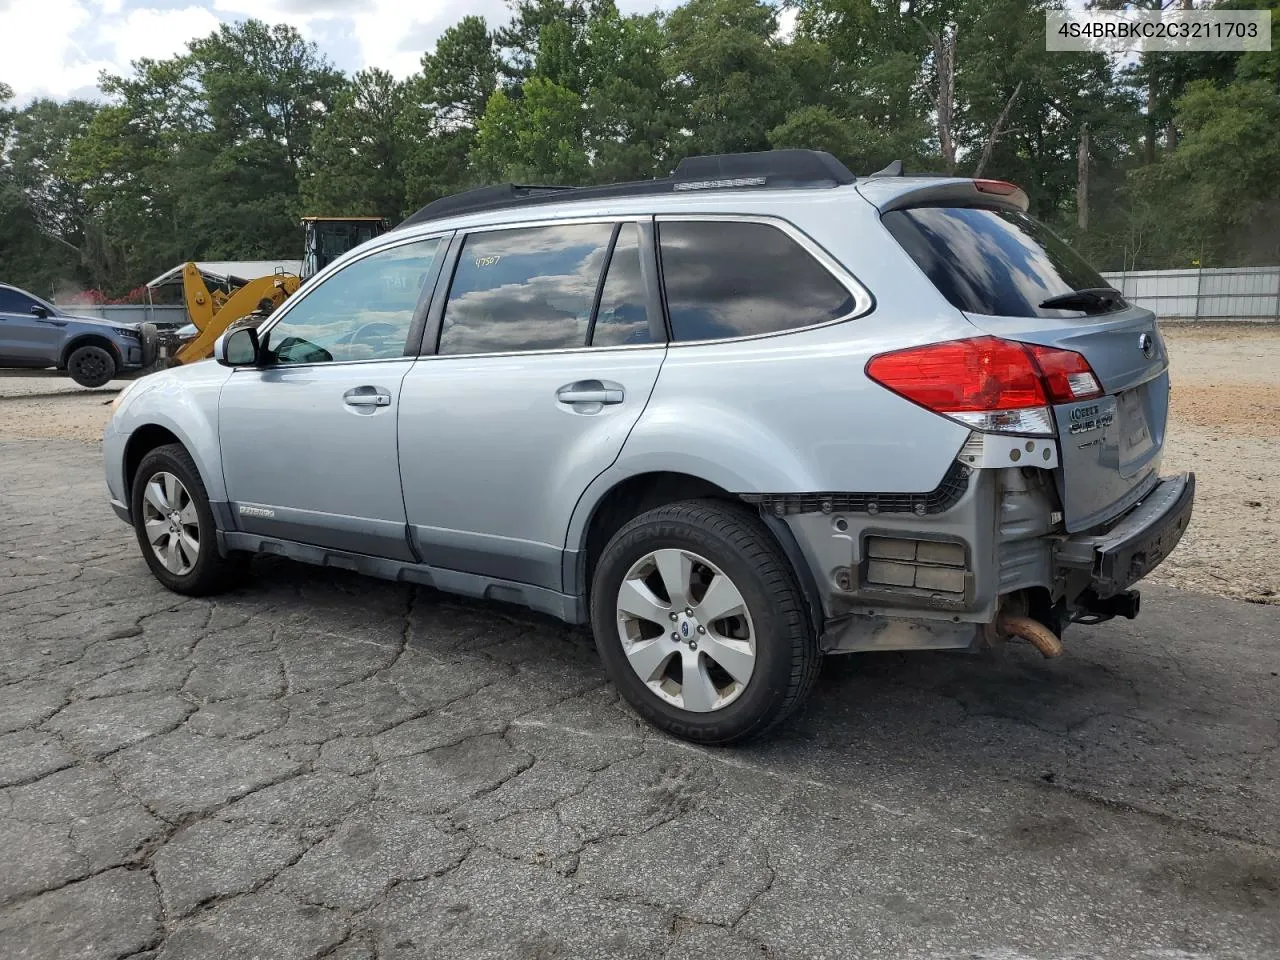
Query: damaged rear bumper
column 1138, row 542
column 943, row 580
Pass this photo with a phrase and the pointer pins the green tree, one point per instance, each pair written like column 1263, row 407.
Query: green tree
column 446, row 102
column 729, row 80
column 535, row 138
column 876, row 57
column 1218, row 192
column 200, row 156
column 459, row 76
column 42, row 244
column 1000, row 54
column 631, row 124
column 357, row 159
column 520, row 41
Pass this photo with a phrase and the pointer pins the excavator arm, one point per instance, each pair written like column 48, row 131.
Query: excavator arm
column 213, row 312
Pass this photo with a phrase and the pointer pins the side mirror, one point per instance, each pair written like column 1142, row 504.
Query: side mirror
column 39, row 311
column 238, row 348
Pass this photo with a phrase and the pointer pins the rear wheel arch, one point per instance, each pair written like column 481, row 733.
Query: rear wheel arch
column 642, row 492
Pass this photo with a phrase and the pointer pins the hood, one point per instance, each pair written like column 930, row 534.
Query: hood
column 96, row 321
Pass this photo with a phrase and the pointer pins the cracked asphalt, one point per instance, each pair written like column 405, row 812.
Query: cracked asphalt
column 320, row 765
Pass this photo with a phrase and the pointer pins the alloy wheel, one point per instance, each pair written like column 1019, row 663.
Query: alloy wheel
column 171, row 523
column 685, row 630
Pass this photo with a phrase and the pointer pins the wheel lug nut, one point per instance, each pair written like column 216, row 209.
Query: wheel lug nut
column 702, row 629
column 693, row 644
column 675, row 637
column 674, row 616
column 688, row 611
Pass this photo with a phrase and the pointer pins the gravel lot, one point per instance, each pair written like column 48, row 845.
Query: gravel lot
column 322, row 765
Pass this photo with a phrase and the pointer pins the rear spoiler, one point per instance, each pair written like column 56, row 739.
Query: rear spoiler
column 894, row 193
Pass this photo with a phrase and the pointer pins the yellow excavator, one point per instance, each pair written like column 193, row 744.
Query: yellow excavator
column 213, row 312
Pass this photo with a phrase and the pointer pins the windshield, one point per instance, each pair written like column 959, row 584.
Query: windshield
column 993, row 261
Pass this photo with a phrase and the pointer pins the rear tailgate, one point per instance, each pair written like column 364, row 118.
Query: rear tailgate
column 997, row 266
column 1111, row 446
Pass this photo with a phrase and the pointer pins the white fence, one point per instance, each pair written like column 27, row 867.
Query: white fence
column 164, row 316
column 1230, row 293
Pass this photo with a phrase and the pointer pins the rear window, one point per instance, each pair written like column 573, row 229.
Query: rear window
column 997, row 262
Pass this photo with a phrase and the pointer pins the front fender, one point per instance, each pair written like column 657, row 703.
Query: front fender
column 184, row 404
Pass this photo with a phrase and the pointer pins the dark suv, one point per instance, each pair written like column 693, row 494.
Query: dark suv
column 36, row 334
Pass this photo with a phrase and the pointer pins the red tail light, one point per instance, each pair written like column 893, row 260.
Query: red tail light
column 1002, row 187
column 1067, row 375
column 975, row 380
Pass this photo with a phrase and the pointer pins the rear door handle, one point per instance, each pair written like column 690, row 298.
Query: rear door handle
column 591, row 391
column 367, row 397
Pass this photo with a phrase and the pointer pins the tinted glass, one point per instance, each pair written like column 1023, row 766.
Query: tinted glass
column 11, row 301
column 527, row 289
column 997, row 262
column 621, row 318
column 732, row 279
column 362, row 312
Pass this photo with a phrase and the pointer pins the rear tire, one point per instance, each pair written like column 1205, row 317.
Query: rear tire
column 175, row 528
column 91, row 365
column 741, row 605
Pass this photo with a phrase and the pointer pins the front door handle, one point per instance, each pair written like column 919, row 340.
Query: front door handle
column 367, row 397
column 591, row 391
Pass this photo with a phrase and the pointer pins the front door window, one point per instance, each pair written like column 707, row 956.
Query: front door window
column 362, row 312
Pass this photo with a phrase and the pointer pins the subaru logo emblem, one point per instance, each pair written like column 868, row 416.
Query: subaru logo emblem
column 684, row 629
column 1147, row 344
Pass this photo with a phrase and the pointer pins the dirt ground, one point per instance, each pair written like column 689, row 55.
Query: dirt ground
column 1225, row 425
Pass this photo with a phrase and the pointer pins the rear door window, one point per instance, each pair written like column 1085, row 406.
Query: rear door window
column 621, row 319
column 991, row 261
column 530, row 288
column 729, row 278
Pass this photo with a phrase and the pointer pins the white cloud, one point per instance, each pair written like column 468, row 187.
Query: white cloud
column 158, row 34
column 41, row 58
column 57, row 48
column 787, row 23
column 377, row 27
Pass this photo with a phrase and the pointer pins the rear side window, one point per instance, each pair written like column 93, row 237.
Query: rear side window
column 526, row 289
column 997, row 262
column 734, row 279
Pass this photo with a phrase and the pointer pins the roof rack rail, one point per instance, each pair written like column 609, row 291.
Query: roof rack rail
column 793, row 169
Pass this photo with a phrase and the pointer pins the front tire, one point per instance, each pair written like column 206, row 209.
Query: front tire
column 701, row 624
column 91, row 365
column 174, row 525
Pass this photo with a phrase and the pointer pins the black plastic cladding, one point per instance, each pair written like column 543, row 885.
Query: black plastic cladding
column 772, row 168
column 945, row 496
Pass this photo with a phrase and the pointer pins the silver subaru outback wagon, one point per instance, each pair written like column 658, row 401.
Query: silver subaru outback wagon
column 734, row 419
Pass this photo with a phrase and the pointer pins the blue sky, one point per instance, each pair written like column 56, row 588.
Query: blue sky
column 57, row 48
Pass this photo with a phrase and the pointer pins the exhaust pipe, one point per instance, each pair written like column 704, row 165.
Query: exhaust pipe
column 1032, row 631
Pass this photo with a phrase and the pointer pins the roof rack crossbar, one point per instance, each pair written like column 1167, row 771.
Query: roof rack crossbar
column 768, row 168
